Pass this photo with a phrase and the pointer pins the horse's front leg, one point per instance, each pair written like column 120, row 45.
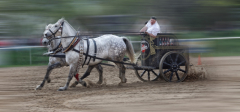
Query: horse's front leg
column 87, row 73
column 49, row 69
column 72, row 72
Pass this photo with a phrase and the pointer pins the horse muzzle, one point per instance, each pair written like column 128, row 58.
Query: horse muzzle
column 48, row 34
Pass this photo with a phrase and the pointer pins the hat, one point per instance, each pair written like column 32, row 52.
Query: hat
column 153, row 17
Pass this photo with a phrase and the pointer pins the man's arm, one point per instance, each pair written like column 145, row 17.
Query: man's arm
column 144, row 29
column 151, row 35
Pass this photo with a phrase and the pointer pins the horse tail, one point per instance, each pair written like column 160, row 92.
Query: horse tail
column 130, row 51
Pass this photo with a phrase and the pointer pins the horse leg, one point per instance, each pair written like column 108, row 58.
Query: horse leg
column 100, row 71
column 122, row 70
column 72, row 72
column 87, row 73
column 49, row 70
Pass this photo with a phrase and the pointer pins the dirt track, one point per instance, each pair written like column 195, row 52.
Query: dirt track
column 219, row 93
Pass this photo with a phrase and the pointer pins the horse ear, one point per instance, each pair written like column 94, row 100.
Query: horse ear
column 60, row 20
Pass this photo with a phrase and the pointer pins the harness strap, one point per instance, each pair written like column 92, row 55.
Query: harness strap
column 58, row 56
column 71, row 45
column 106, row 59
column 95, row 50
column 89, row 60
column 56, row 47
column 58, row 50
column 86, row 52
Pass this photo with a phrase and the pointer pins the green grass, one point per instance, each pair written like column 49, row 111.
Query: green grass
column 21, row 57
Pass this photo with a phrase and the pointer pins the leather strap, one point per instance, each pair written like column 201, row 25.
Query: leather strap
column 73, row 43
column 95, row 50
column 86, row 52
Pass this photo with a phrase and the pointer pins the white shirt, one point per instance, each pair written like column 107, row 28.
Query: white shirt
column 153, row 29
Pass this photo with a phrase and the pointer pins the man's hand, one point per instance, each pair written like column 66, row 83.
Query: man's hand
column 151, row 35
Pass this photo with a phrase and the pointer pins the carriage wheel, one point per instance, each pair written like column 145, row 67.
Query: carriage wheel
column 146, row 74
column 173, row 67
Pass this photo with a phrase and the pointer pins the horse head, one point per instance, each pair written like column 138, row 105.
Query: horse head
column 54, row 29
column 46, row 41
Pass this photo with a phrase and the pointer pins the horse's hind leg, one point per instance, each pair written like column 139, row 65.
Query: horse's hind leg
column 49, row 69
column 122, row 70
column 100, row 71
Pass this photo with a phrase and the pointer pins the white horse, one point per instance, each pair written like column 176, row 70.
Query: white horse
column 56, row 62
column 108, row 47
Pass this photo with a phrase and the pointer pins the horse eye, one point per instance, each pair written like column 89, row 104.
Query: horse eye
column 55, row 25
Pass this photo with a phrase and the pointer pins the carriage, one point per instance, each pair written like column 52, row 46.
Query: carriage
column 162, row 58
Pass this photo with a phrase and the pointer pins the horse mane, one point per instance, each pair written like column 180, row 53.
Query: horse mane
column 70, row 26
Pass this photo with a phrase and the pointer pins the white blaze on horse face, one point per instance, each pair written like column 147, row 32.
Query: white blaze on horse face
column 54, row 28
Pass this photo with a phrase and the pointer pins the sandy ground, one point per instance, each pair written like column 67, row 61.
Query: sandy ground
column 218, row 93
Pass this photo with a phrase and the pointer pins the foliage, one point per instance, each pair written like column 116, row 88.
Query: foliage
column 27, row 17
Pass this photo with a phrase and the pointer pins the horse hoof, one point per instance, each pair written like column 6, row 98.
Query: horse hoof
column 49, row 80
column 38, row 87
column 120, row 84
column 99, row 82
column 125, row 80
column 61, row 89
column 84, row 84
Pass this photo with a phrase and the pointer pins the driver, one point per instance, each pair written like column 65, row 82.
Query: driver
column 152, row 27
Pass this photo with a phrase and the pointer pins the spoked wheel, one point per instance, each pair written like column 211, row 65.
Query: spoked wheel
column 145, row 73
column 173, row 67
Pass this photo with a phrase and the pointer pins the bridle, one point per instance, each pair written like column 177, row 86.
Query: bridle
column 52, row 36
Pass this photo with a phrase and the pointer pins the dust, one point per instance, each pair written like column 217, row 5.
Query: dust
column 92, row 84
column 196, row 73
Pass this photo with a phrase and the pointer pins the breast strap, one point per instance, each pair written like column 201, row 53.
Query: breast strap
column 73, row 43
column 87, row 52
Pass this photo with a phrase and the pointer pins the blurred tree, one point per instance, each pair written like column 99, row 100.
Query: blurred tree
column 27, row 17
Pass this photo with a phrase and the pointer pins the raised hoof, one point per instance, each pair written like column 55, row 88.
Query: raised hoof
column 38, row 87
column 62, row 89
column 49, row 80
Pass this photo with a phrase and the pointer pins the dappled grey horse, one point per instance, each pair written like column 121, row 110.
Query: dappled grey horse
column 56, row 62
column 109, row 47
